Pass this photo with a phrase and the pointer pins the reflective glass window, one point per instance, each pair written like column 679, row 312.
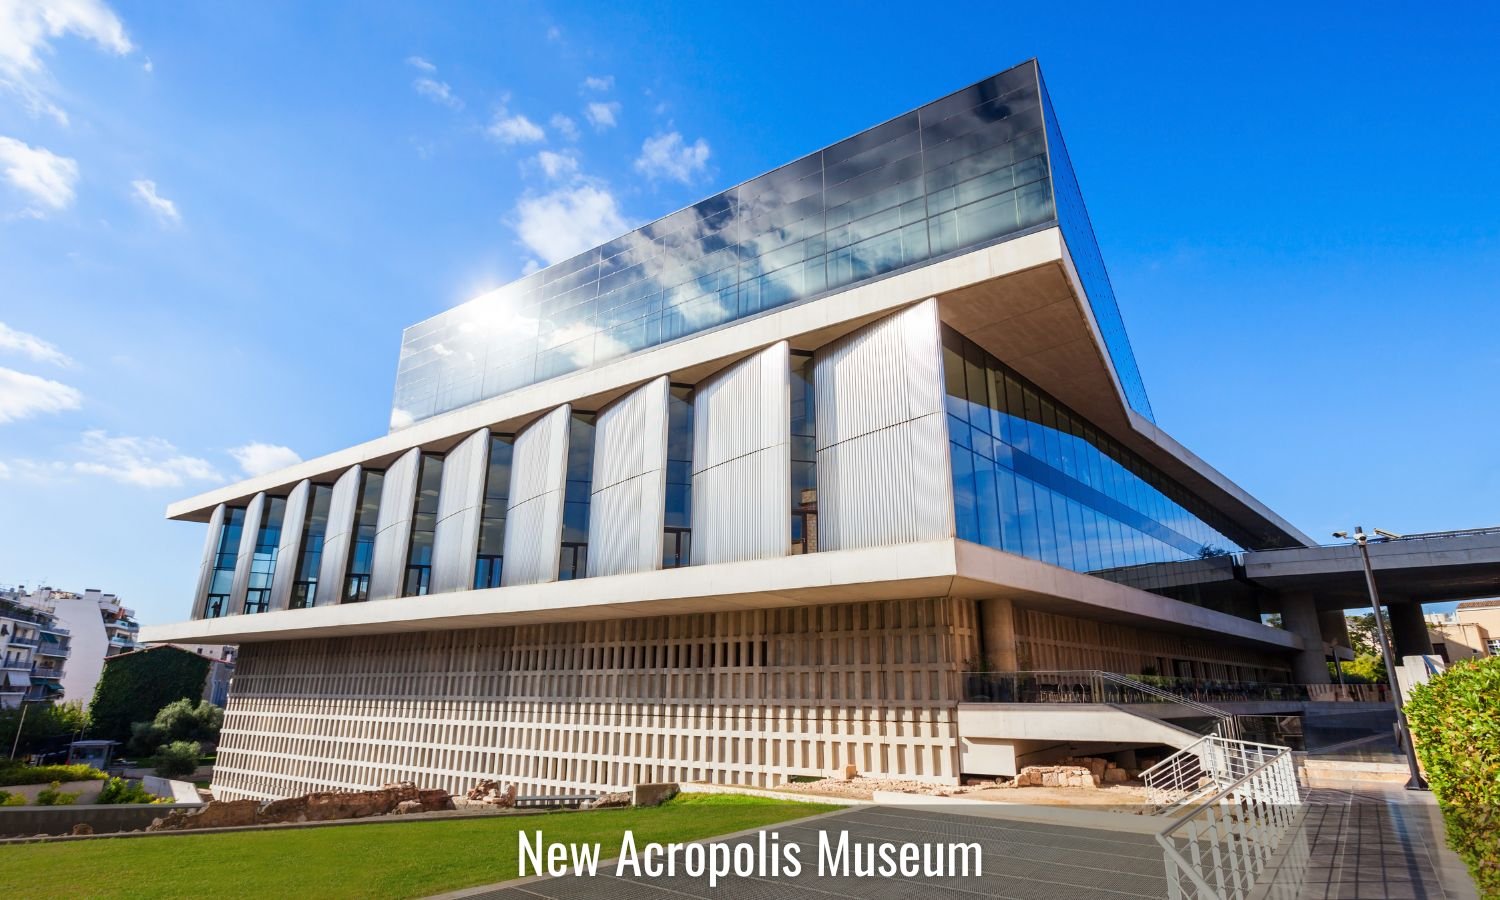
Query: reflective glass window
column 362, row 547
column 310, row 554
column 573, row 560
column 423, row 527
column 490, row 558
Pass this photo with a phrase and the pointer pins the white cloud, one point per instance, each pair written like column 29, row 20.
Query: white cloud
column 27, row 28
column 515, row 129
column 568, row 220
column 43, row 176
column 554, row 33
column 668, row 156
column 148, row 66
column 258, row 459
column 556, row 166
column 565, row 126
column 142, row 461
column 32, row 346
column 23, row 395
column 602, row 116
column 437, row 92
column 417, row 62
column 144, row 191
column 594, row 83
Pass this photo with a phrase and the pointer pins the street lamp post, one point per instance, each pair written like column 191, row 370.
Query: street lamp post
column 1416, row 782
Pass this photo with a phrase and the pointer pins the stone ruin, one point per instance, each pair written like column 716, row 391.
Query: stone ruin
column 490, row 794
column 1086, row 771
column 400, row 798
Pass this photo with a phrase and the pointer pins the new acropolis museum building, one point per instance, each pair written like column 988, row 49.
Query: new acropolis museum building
column 741, row 495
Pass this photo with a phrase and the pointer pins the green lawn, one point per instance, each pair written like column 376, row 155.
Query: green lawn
column 398, row 859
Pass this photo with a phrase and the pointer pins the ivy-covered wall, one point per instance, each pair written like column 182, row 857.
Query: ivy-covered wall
column 135, row 685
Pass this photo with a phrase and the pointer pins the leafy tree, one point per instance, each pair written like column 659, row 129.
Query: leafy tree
column 136, row 685
column 1367, row 668
column 177, row 759
column 45, row 728
column 1455, row 725
column 180, row 720
column 1362, row 637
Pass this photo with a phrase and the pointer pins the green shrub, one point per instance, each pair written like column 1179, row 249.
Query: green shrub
column 11, row 799
column 1455, row 721
column 119, row 790
column 11, row 774
column 177, row 759
column 135, row 686
column 56, row 796
column 180, row 720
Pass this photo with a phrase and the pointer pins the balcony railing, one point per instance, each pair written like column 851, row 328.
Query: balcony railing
column 1085, row 687
column 17, row 641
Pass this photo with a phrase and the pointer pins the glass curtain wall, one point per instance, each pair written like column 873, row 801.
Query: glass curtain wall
column 573, row 561
column 491, row 557
column 263, row 561
column 423, row 527
column 1032, row 477
column 310, row 555
column 216, row 604
column 958, row 173
column 678, row 520
column 804, row 456
column 362, row 548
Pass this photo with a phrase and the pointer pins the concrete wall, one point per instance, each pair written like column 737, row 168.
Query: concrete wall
column 745, row 698
column 26, row 821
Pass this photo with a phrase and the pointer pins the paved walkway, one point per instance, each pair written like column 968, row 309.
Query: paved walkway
column 1369, row 840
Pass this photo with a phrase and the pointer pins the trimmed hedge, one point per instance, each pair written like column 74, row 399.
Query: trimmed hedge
column 1455, row 723
column 14, row 774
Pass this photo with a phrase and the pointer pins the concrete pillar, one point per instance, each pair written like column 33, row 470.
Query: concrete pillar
column 1299, row 615
column 997, row 637
column 627, row 503
column 249, row 535
column 1334, row 626
column 289, row 549
column 398, row 494
column 742, row 493
column 455, row 541
column 1409, row 630
column 883, row 472
column 534, row 519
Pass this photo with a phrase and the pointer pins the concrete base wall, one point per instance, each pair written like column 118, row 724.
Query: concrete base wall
column 744, row 698
column 27, row 821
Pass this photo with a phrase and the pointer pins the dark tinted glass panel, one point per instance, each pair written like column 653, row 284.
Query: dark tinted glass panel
column 423, row 527
column 217, row 602
column 962, row 171
column 1032, row 477
column 573, row 561
column 362, row 548
column 490, row 559
column 678, row 517
column 310, row 556
column 804, row 456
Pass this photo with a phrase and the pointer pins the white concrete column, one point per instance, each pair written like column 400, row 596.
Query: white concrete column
column 248, row 536
column 883, row 465
column 339, row 537
column 742, row 467
column 290, row 546
column 1299, row 615
column 206, row 567
column 398, row 497
column 455, row 542
column 533, row 520
column 629, row 494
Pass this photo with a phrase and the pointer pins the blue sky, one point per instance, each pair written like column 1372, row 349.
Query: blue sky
column 215, row 220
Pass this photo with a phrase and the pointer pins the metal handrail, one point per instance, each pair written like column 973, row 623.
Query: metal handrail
column 1245, row 821
column 1207, row 764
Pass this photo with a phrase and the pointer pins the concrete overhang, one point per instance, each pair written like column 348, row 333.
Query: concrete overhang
column 1020, row 299
column 906, row 571
column 1427, row 569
